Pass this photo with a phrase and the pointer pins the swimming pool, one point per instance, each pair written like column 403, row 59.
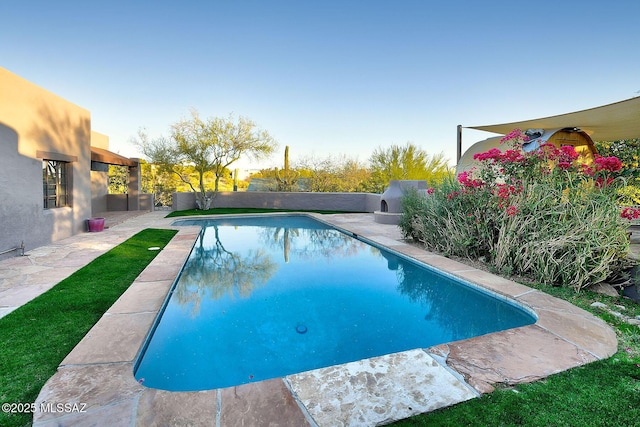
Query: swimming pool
column 264, row 297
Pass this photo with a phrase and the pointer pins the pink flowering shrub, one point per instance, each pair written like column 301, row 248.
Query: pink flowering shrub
column 542, row 214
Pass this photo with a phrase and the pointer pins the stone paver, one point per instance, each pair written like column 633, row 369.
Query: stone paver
column 264, row 403
column 164, row 408
column 379, row 390
column 115, row 338
column 572, row 324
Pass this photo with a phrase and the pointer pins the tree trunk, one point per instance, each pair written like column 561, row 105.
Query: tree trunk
column 203, row 201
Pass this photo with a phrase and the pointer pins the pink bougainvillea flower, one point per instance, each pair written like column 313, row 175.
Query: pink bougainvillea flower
column 587, row 170
column 452, row 195
column 609, row 164
column 463, row 176
column 516, row 135
column 548, row 151
column 564, row 165
column 512, row 210
column 505, row 191
column 601, row 182
column 630, row 213
column 492, row 154
column 465, row 179
column 568, row 153
column 512, row 156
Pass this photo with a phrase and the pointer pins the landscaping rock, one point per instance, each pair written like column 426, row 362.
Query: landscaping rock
column 604, row 288
column 626, row 319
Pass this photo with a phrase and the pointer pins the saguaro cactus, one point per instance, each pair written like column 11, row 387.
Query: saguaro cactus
column 286, row 178
column 235, row 179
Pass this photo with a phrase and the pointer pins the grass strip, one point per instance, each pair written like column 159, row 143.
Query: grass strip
column 228, row 211
column 35, row 338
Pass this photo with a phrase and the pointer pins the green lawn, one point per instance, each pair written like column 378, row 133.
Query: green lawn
column 36, row 337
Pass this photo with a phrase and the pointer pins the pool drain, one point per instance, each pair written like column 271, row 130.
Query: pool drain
column 301, row 329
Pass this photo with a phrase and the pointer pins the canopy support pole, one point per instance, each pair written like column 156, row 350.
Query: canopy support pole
column 459, row 144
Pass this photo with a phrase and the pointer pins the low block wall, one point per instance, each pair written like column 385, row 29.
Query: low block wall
column 349, row 202
column 124, row 202
column 117, row 202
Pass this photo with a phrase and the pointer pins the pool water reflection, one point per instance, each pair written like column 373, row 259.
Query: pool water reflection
column 264, row 297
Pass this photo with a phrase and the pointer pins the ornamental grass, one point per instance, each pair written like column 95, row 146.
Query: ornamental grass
column 545, row 214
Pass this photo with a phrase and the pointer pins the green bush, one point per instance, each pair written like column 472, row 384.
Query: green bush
column 543, row 215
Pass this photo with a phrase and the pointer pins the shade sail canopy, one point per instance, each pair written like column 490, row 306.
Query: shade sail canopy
column 612, row 122
column 105, row 156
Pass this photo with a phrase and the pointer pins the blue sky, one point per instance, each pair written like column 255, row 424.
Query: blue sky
column 326, row 77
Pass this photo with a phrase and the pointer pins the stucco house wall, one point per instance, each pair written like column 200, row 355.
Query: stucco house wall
column 36, row 124
column 99, row 187
column 99, row 178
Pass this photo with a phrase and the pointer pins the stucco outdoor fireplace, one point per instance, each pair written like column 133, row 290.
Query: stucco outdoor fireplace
column 391, row 200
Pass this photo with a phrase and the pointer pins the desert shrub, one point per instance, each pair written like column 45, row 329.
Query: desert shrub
column 543, row 214
column 629, row 195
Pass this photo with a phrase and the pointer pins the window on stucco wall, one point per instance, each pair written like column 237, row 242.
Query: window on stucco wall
column 54, row 184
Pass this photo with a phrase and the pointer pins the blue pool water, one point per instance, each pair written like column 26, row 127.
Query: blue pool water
column 265, row 297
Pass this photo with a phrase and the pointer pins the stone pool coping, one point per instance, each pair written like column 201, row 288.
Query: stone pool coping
column 97, row 375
